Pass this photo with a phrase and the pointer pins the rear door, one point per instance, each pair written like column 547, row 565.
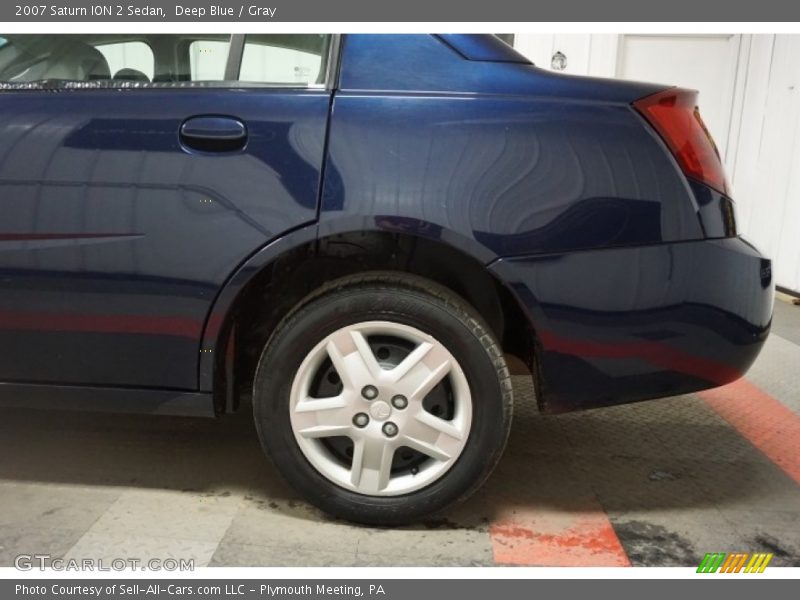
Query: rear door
column 136, row 173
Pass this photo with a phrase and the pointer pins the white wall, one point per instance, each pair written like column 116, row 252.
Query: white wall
column 594, row 54
column 750, row 99
column 766, row 163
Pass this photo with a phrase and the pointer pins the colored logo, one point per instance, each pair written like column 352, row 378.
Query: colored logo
column 737, row 562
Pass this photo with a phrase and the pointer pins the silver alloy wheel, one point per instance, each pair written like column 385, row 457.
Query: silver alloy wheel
column 390, row 422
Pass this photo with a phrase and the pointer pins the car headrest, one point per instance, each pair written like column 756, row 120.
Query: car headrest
column 77, row 61
column 131, row 75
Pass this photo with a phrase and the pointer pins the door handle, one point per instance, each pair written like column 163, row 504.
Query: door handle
column 213, row 133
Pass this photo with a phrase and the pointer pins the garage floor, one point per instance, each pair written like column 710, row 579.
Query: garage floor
column 658, row 483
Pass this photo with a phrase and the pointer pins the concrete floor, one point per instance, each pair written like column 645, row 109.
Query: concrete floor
column 656, row 483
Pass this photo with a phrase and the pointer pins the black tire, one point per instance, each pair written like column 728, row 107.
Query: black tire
column 411, row 301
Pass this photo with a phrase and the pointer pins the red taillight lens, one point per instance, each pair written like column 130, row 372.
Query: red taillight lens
column 674, row 114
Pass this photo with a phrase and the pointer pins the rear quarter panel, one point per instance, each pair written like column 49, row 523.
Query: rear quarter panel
column 507, row 175
column 501, row 158
column 569, row 196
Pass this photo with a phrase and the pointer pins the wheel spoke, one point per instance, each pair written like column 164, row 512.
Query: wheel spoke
column 337, row 358
column 366, row 354
column 352, row 358
column 410, row 361
column 431, row 380
column 423, row 369
column 433, row 436
column 372, row 464
column 427, row 449
column 437, row 426
column 323, row 417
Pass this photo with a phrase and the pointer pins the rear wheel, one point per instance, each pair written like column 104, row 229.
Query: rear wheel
column 383, row 399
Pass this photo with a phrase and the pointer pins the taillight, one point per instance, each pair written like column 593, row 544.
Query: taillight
column 674, row 115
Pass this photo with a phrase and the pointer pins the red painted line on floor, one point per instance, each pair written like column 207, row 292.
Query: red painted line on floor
column 557, row 539
column 762, row 420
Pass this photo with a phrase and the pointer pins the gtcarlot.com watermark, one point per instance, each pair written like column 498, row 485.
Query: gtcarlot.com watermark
column 29, row 562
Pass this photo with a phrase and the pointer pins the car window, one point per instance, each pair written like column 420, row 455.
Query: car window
column 134, row 57
column 208, row 59
column 291, row 59
column 158, row 60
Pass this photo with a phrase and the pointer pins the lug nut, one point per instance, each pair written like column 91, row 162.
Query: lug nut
column 370, row 392
column 361, row 420
column 389, row 429
column 399, row 402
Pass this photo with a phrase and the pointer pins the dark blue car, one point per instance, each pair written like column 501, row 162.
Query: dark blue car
column 357, row 231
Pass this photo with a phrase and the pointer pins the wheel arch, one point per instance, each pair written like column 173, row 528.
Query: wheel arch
column 273, row 280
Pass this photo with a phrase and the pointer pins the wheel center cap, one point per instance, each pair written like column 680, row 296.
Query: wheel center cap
column 380, row 410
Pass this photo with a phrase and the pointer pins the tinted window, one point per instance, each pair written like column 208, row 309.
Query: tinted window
column 208, row 59
column 294, row 60
column 129, row 60
column 290, row 59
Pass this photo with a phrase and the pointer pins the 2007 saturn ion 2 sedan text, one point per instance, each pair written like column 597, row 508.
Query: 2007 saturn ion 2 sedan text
column 358, row 231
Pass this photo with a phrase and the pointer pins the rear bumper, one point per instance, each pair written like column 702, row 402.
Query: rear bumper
column 626, row 324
